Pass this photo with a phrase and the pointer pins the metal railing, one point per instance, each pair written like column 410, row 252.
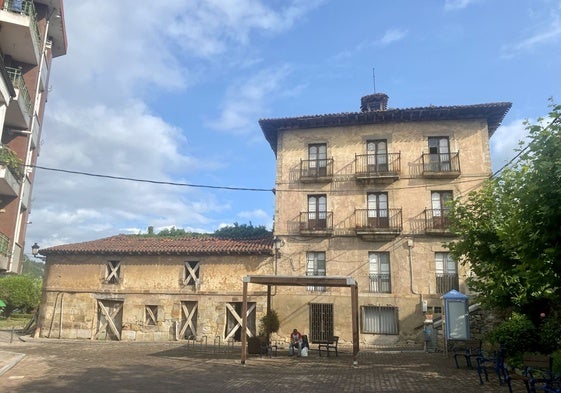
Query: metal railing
column 25, row 7
column 441, row 162
column 316, row 221
column 437, row 219
column 380, row 283
column 19, row 83
column 316, row 169
column 4, row 245
column 382, row 220
column 388, row 164
column 445, row 282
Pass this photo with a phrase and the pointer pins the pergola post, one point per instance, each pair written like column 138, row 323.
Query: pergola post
column 354, row 311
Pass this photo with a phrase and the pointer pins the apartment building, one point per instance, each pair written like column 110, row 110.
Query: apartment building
column 32, row 33
column 365, row 195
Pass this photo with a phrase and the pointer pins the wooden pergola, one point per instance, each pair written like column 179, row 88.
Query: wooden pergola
column 341, row 281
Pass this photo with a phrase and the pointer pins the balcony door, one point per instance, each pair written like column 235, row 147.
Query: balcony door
column 439, row 152
column 317, row 159
column 317, row 212
column 377, row 210
column 440, row 208
column 377, row 152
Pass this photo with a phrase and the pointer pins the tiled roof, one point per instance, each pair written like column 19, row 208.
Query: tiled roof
column 494, row 113
column 145, row 245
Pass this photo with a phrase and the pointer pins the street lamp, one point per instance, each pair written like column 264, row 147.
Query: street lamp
column 35, row 252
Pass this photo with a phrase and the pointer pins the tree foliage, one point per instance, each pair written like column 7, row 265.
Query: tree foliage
column 243, row 231
column 32, row 268
column 20, row 292
column 510, row 230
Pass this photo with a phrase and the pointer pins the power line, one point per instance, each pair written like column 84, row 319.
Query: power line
column 151, row 181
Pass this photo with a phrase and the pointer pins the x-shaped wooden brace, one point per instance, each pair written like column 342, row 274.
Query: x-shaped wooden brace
column 188, row 319
column 151, row 317
column 191, row 273
column 239, row 319
column 109, row 319
column 113, row 271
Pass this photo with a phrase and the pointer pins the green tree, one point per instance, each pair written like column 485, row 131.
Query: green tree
column 509, row 231
column 32, row 268
column 243, row 231
column 20, row 292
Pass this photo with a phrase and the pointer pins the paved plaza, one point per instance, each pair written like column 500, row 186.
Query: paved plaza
column 64, row 366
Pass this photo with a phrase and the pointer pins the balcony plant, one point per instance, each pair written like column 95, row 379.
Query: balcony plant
column 12, row 162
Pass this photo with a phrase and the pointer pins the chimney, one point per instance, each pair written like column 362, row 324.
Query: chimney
column 374, row 102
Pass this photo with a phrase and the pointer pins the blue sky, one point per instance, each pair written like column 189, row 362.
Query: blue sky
column 173, row 92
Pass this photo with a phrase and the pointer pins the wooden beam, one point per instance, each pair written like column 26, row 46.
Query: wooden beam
column 244, row 321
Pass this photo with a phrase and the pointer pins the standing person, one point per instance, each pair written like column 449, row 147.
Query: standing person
column 295, row 340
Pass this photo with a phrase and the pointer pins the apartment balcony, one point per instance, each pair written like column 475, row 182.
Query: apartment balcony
column 372, row 224
column 441, row 166
column 6, row 88
column 8, row 182
column 20, row 36
column 377, row 168
column 437, row 222
column 26, row 195
column 316, row 223
column 316, row 171
column 4, row 251
column 18, row 114
column 445, row 282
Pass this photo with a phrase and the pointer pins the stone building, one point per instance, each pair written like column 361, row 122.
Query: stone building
column 141, row 288
column 32, row 34
column 365, row 195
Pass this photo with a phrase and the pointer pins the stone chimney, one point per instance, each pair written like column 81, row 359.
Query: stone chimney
column 374, row 102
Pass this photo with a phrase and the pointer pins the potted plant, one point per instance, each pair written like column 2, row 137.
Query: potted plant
column 269, row 323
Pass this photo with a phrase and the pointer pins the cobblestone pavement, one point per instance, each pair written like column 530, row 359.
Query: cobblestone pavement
column 64, row 366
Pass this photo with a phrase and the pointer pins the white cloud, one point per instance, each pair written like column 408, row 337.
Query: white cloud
column 505, row 141
column 247, row 99
column 392, row 35
column 451, row 5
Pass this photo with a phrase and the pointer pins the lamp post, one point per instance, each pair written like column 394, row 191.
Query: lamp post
column 35, row 252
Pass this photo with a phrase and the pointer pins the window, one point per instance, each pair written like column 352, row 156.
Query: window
column 446, row 273
column 191, row 273
column 113, row 272
column 317, row 158
column 315, row 266
column 440, row 209
column 379, row 272
column 151, row 315
column 439, row 152
column 377, row 205
column 317, row 212
column 380, row 320
column 377, row 151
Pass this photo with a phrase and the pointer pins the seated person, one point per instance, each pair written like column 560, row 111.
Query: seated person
column 295, row 341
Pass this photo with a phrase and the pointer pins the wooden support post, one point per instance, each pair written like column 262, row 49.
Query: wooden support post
column 244, row 320
column 354, row 311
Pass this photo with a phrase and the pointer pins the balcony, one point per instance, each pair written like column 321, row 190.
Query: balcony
column 437, row 222
column 374, row 224
column 377, row 168
column 6, row 88
column 316, row 171
column 4, row 252
column 316, row 223
column 445, row 282
column 10, row 172
column 18, row 114
column 441, row 165
column 20, row 36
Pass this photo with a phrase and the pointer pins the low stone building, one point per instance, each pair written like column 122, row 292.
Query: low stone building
column 146, row 288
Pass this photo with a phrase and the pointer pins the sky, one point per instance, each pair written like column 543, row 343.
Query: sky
column 171, row 92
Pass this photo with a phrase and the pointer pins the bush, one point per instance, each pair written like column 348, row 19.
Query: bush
column 550, row 334
column 516, row 335
column 269, row 323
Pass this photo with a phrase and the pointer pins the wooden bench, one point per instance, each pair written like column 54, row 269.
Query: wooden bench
column 536, row 369
column 469, row 349
column 332, row 343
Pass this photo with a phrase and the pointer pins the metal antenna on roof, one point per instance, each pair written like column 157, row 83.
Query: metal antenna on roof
column 374, row 78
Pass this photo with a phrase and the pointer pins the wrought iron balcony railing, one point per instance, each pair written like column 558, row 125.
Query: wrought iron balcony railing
column 445, row 282
column 17, row 81
column 377, row 165
column 436, row 220
column 380, row 283
column 379, row 220
column 25, row 7
column 441, row 164
column 316, row 170
column 318, row 222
